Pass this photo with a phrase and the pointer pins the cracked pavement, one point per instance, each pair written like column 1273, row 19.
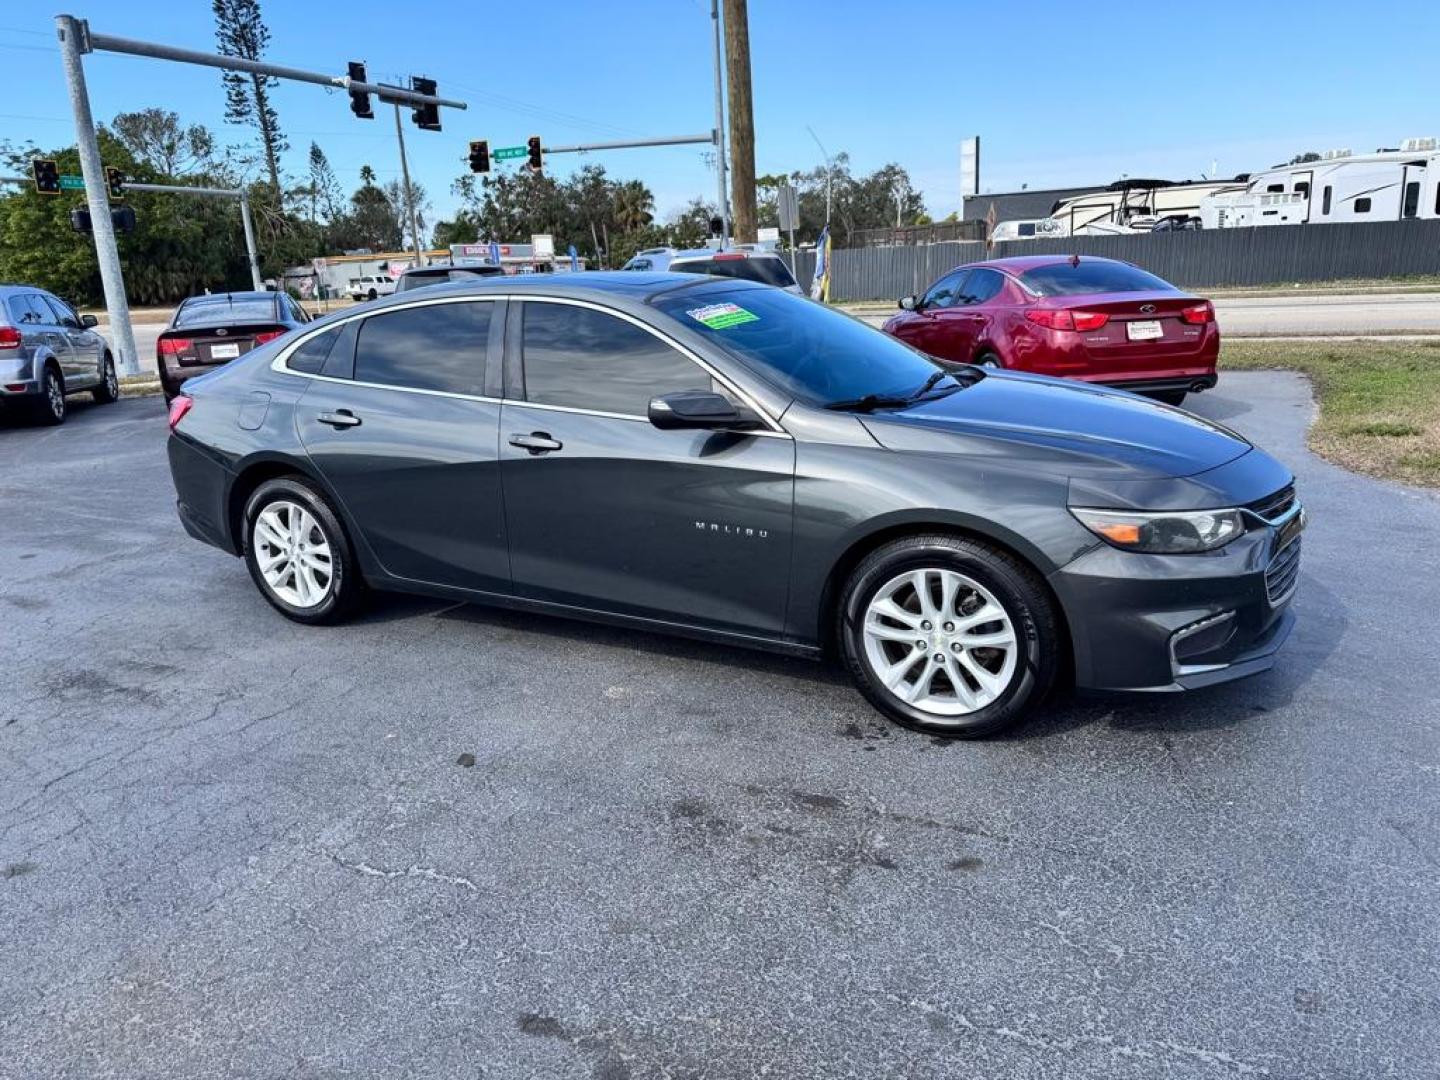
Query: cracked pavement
column 449, row 842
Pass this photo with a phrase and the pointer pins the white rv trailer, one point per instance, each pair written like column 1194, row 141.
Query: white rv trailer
column 1388, row 185
column 1134, row 206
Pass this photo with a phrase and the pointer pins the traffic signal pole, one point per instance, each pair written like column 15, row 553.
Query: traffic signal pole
column 222, row 193
column 97, row 195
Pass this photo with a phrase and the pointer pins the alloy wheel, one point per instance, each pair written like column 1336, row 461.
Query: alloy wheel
column 54, row 395
column 112, row 381
column 939, row 641
column 293, row 554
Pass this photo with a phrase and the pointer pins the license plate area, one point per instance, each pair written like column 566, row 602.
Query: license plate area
column 1144, row 330
column 225, row 352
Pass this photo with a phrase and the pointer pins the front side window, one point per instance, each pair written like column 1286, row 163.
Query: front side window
column 64, row 313
column 432, row 347
column 581, row 358
column 944, row 292
column 982, row 285
column 813, row 352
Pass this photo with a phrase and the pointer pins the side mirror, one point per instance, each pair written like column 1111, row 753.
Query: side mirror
column 698, row 410
column 909, row 303
column 89, row 321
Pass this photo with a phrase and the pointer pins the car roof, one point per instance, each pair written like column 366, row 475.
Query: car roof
column 262, row 294
column 1018, row 264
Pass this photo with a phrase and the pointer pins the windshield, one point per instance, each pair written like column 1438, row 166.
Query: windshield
column 765, row 271
column 805, row 348
column 215, row 310
column 1091, row 276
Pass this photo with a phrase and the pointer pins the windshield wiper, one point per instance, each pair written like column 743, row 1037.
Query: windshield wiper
column 869, row 403
column 967, row 377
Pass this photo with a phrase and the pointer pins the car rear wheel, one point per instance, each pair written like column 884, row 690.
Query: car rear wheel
column 298, row 554
column 948, row 636
column 988, row 359
column 109, row 388
column 50, row 406
column 372, row 294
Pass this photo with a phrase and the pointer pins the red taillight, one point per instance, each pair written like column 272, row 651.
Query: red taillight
column 179, row 406
column 725, row 255
column 268, row 335
column 174, row 346
column 1199, row 314
column 10, row 338
column 1064, row 319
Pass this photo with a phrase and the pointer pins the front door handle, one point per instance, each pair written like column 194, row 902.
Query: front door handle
column 537, row 442
column 340, row 418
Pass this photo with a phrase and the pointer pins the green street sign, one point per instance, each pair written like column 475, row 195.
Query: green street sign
column 509, row 153
column 77, row 183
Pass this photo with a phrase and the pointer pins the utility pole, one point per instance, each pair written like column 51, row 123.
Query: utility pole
column 409, row 195
column 72, row 36
column 829, row 170
column 720, row 125
column 742, row 119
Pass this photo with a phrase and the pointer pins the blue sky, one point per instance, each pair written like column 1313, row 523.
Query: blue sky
column 1060, row 94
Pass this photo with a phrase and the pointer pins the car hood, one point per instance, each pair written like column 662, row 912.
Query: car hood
column 1068, row 427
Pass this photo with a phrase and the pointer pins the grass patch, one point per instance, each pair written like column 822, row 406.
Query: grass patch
column 1379, row 400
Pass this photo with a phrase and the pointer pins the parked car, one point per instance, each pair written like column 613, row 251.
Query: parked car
column 48, row 351
column 1097, row 320
column 745, row 262
column 420, row 276
column 725, row 460
column 371, row 287
column 209, row 331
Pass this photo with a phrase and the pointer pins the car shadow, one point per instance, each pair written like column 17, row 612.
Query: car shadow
column 1310, row 645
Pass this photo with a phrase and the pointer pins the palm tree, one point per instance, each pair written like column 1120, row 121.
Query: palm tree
column 634, row 206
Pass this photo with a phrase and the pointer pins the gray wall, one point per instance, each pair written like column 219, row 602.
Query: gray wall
column 1261, row 256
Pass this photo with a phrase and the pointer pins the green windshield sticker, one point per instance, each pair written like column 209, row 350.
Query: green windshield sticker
column 722, row 316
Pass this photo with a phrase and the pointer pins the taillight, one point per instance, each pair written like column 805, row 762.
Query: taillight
column 179, row 406
column 10, row 338
column 1199, row 314
column 725, row 256
column 268, row 335
column 174, row 346
column 1064, row 319
column 1089, row 320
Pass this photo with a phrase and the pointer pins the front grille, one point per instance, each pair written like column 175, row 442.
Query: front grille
column 1273, row 506
column 1283, row 572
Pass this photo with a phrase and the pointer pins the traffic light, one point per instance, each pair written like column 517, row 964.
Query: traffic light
column 80, row 220
column 426, row 117
column 123, row 218
column 359, row 100
column 115, row 182
column 534, row 159
column 480, row 156
column 47, row 176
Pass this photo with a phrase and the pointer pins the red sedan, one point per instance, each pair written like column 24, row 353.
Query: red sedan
column 1099, row 320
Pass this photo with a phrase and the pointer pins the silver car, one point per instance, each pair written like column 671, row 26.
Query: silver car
column 48, row 351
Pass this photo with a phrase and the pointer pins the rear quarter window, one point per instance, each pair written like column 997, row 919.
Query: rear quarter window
column 1077, row 279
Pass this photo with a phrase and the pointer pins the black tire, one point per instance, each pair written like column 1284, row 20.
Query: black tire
column 49, row 407
column 372, row 294
column 1168, row 397
column 346, row 589
column 988, row 359
column 1013, row 585
column 109, row 389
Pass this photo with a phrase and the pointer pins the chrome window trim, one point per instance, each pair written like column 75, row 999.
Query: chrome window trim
column 281, row 362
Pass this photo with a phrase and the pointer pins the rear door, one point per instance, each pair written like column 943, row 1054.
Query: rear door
column 401, row 427
column 79, row 359
column 36, row 323
column 606, row 511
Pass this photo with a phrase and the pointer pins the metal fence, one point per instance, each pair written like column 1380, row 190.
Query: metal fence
column 901, row 235
column 1260, row 256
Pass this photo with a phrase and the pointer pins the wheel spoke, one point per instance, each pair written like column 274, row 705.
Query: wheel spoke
column 891, row 610
column 963, row 694
column 267, row 531
column 1000, row 639
column 949, row 586
column 990, row 685
column 895, row 675
column 920, row 581
column 269, row 561
column 883, row 631
column 987, row 612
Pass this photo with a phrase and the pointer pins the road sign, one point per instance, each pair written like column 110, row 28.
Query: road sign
column 788, row 207
column 509, row 153
column 72, row 183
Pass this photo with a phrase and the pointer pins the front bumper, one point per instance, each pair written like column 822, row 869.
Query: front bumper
column 1180, row 622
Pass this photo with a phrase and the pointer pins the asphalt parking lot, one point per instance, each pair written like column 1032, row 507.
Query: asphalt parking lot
column 446, row 842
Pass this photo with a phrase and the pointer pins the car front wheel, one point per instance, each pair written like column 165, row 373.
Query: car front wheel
column 948, row 636
column 298, row 554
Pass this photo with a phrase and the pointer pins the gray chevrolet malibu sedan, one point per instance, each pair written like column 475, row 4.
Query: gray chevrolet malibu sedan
column 725, row 460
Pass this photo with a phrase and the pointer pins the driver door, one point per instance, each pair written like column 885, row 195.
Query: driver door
column 931, row 327
column 606, row 511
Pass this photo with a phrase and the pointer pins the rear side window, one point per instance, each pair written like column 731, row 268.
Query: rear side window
column 982, row 285
column 586, row 359
column 766, row 271
column 435, row 347
column 1091, row 276
column 310, row 357
column 26, row 310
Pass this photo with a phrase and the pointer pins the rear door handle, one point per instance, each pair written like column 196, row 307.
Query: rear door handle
column 537, row 442
column 340, row 418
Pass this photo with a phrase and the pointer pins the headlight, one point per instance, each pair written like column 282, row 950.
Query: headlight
column 1175, row 532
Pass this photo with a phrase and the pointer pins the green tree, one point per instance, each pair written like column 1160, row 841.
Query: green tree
column 157, row 139
column 324, row 187
column 240, row 30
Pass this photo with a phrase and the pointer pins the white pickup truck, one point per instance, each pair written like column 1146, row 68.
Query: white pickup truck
column 371, row 286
